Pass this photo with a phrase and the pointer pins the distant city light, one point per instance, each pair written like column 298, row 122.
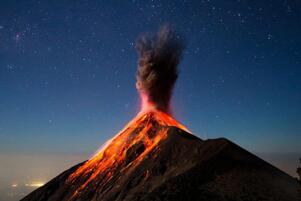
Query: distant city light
column 14, row 185
column 35, row 184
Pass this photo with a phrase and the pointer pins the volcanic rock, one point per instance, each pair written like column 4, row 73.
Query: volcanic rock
column 155, row 158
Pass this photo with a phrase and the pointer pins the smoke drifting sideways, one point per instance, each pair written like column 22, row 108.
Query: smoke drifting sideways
column 159, row 55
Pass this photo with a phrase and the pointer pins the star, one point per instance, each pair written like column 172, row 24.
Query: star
column 17, row 37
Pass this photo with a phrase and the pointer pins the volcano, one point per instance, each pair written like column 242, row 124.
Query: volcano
column 156, row 158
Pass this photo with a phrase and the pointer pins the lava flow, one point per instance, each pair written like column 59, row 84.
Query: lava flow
column 126, row 149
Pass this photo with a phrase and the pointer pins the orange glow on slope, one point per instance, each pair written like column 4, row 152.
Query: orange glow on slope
column 143, row 131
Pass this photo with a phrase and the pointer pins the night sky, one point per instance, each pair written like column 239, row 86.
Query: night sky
column 67, row 74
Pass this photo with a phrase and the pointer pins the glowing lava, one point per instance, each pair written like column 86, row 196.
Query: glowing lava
column 126, row 149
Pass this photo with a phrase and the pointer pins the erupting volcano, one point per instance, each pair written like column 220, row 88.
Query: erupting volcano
column 156, row 158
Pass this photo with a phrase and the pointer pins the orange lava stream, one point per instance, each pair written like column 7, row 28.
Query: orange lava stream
column 142, row 129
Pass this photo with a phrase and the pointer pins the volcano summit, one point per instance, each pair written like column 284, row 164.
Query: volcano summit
column 156, row 158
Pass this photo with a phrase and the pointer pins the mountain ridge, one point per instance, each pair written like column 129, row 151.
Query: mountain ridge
column 156, row 158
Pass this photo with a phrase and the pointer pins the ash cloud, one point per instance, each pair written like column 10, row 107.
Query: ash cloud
column 159, row 55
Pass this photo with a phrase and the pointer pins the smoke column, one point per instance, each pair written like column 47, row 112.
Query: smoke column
column 159, row 55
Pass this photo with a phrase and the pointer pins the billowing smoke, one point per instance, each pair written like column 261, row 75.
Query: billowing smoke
column 159, row 54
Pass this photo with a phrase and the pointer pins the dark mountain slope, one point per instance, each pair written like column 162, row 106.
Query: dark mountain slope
column 153, row 158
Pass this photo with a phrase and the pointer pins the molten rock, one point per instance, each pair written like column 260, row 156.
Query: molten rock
column 156, row 158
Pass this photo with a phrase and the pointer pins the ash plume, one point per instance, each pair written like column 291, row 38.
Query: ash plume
column 159, row 54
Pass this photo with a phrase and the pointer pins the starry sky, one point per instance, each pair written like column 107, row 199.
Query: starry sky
column 67, row 72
